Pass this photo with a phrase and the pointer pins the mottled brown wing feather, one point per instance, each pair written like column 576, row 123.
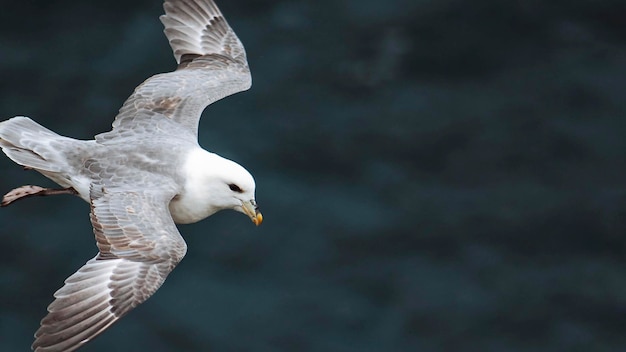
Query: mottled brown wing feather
column 139, row 246
column 212, row 65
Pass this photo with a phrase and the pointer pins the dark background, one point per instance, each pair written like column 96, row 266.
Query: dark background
column 434, row 175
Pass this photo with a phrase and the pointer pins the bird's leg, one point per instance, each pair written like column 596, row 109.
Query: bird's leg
column 30, row 191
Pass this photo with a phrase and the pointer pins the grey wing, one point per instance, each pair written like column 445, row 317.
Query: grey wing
column 211, row 65
column 139, row 246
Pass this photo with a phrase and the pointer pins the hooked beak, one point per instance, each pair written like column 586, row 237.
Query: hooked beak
column 252, row 210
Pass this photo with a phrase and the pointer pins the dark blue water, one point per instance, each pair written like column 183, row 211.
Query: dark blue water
column 434, row 175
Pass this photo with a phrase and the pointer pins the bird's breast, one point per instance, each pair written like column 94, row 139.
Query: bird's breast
column 187, row 209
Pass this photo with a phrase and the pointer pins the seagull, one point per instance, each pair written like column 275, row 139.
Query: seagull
column 141, row 178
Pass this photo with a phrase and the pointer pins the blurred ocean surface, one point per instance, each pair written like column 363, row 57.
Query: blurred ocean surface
column 434, row 175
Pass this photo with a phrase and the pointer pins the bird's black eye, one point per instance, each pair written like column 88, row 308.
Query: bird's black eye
column 233, row 187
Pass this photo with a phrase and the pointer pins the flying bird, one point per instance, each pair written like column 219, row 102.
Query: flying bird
column 141, row 178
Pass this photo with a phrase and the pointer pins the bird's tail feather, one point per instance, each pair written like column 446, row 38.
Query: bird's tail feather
column 29, row 144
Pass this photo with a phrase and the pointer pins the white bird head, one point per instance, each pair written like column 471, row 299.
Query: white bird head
column 214, row 183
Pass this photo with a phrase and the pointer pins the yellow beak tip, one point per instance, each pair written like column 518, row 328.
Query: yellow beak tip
column 258, row 219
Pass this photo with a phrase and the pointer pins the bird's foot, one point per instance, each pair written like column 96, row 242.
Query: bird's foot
column 30, row 191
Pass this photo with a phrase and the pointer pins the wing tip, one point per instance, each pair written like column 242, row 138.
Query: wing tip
column 195, row 27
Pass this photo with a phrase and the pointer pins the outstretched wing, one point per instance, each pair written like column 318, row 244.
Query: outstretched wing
column 139, row 246
column 211, row 65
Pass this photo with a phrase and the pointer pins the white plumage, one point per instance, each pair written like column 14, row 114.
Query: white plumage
column 142, row 177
